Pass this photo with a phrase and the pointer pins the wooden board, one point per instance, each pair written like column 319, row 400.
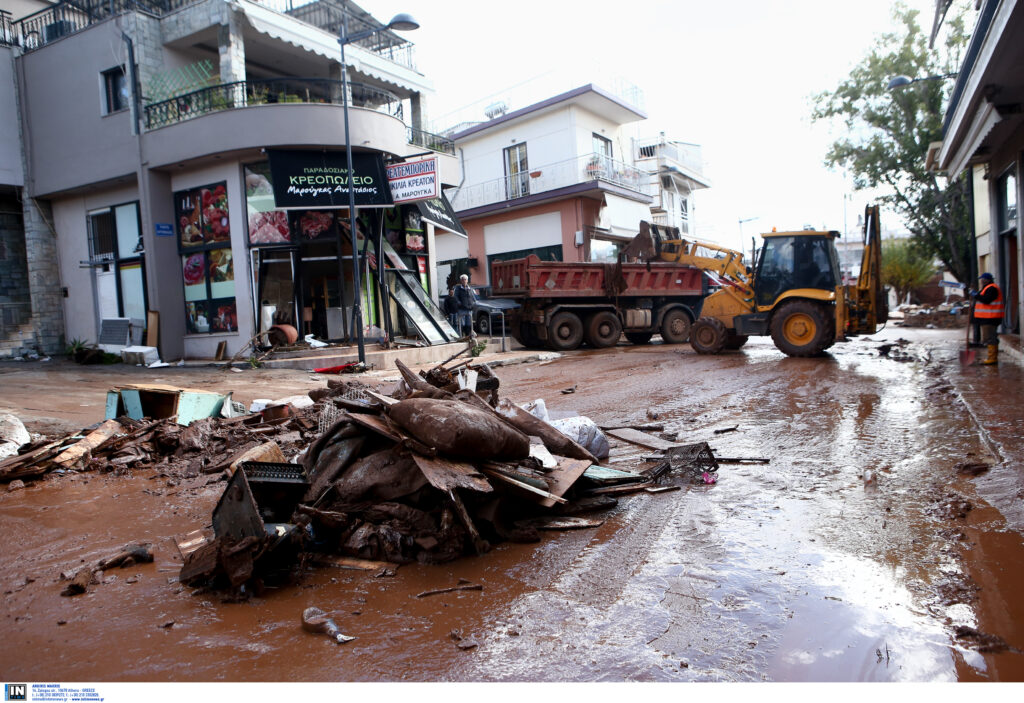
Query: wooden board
column 70, row 457
column 641, row 438
column 352, row 563
column 563, row 476
column 541, row 497
column 152, row 328
column 445, row 474
column 615, row 490
column 560, row 523
column 374, row 424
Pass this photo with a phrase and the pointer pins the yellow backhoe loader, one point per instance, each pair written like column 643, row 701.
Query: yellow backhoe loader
column 796, row 293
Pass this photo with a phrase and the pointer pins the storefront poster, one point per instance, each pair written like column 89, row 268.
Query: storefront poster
column 320, row 179
column 202, row 216
column 222, row 273
column 317, row 224
column 196, row 321
column 224, row 316
column 193, row 271
column 216, row 226
column 267, row 225
column 188, row 213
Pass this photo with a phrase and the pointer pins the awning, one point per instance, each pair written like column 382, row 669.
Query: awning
column 439, row 212
column 622, row 216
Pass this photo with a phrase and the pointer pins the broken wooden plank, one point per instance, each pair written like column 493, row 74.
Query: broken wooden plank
column 23, row 465
column 453, row 589
column 615, row 490
column 480, row 545
column 742, row 460
column 76, row 453
column 446, row 474
column 560, row 523
column 662, row 489
column 375, row 424
column 643, row 426
column 641, row 438
column 351, row 563
column 548, row 498
column 561, row 478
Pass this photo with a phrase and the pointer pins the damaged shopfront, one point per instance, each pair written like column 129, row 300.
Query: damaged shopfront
column 301, row 251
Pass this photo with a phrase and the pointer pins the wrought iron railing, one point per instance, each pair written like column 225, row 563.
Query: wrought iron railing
column 227, row 96
column 7, row 36
column 539, row 179
column 69, row 16
column 434, row 142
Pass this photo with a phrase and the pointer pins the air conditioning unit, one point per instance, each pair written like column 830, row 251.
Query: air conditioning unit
column 56, row 30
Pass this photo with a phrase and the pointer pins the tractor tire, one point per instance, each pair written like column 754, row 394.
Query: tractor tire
column 708, row 336
column 603, row 330
column 675, row 327
column 565, row 331
column 735, row 341
column 802, row 328
column 639, row 337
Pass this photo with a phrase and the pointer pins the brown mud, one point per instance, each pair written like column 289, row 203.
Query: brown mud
column 860, row 552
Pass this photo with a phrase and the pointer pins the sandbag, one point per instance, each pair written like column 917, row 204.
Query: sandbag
column 459, row 429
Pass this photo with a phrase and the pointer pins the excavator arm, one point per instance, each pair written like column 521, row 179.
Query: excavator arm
column 866, row 305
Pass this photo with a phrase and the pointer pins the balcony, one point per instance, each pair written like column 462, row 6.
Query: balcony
column 660, row 152
column 550, row 177
column 70, row 16
column 241, row 94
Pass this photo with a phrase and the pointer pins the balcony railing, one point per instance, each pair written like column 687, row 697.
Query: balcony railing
column 7, row 36
column 434, row 142
column 70, row 16
column 228, row 96
column 590, row 167
column 685, row 155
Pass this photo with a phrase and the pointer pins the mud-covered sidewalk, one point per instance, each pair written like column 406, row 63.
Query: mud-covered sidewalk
column 881, row 541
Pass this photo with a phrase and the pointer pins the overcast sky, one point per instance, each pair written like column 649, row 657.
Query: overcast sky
column 735, row 77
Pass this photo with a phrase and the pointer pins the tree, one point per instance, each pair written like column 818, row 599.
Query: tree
column 905, row 267
column 888, row 133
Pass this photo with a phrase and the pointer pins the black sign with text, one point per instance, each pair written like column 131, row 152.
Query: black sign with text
column 319, row 180
column 439, row 211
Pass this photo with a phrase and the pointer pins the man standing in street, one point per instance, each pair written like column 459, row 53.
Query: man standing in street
column 465, row 301
column 988, row 313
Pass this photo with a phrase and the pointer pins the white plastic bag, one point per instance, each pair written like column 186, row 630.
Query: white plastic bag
column 584, row 432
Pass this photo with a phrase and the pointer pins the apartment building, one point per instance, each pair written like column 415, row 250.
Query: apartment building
column 566, row 178
column 136, row 149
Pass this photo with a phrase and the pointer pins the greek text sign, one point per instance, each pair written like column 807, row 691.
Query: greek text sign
column 319, row 180
column 413, row 180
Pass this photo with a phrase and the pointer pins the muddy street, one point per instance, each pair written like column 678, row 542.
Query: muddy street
column 862, row 551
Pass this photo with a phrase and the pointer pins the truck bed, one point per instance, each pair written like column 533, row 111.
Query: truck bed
column 533, row 278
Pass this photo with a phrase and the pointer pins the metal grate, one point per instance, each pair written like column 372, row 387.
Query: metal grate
column 273, row 472
column 694, row 459
column 329, row 414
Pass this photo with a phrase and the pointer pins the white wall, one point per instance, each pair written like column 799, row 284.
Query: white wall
column 525, row 233
column 450, row 246
column 10, row 135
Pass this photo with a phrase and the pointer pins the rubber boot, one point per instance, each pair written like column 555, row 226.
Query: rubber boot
column 993, row 355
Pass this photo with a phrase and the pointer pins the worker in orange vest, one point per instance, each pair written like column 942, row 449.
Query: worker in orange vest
column 988, row 313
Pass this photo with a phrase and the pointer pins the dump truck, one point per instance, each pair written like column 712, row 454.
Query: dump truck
column 663, row 283
column 564, row 304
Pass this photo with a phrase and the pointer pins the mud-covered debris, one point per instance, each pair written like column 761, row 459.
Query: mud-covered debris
column 79, row 583
column 969, row 469
column 317, row 621
column 131, row 554
column 15, row 485
column 984, row 642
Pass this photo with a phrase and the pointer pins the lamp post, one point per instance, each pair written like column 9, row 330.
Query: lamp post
column 742, row 220
column 900, row 81
column 401, row 22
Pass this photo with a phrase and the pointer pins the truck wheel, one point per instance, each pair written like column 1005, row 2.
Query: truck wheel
column 565, row 331
column 675, row 327
column 603, row 330
column 483, row 324
column 639, row 337
column 708, row 336
column 528, row 337
column 733, row 340
column 802, row 328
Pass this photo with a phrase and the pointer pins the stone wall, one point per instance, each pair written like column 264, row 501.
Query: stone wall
column 43, row 276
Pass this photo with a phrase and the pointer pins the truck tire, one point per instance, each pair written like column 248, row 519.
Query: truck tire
column 708, row 336
column 733, row 340
column 802, row 328
column 483, row 324
column 603, row 330
column 639, row 337
column 565, row 331
column 528, row 337
column 675, row 327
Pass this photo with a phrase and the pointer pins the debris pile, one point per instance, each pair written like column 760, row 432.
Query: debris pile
column 439, row 468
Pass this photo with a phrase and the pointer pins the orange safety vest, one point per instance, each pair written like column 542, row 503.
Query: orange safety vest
column 990, row 311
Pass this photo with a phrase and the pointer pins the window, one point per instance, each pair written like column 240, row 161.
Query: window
column 116, row 95
column 517, row 177
column 684, row 215
column 603, row 146
column 1007, row 202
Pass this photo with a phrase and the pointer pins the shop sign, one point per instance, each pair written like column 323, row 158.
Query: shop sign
column 413, row 180
column 164, row 229
column 319, row 180
column 438, row 211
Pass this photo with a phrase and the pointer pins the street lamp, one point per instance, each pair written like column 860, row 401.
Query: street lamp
column 900, row 81
column 749, row 219
column 402, row 22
